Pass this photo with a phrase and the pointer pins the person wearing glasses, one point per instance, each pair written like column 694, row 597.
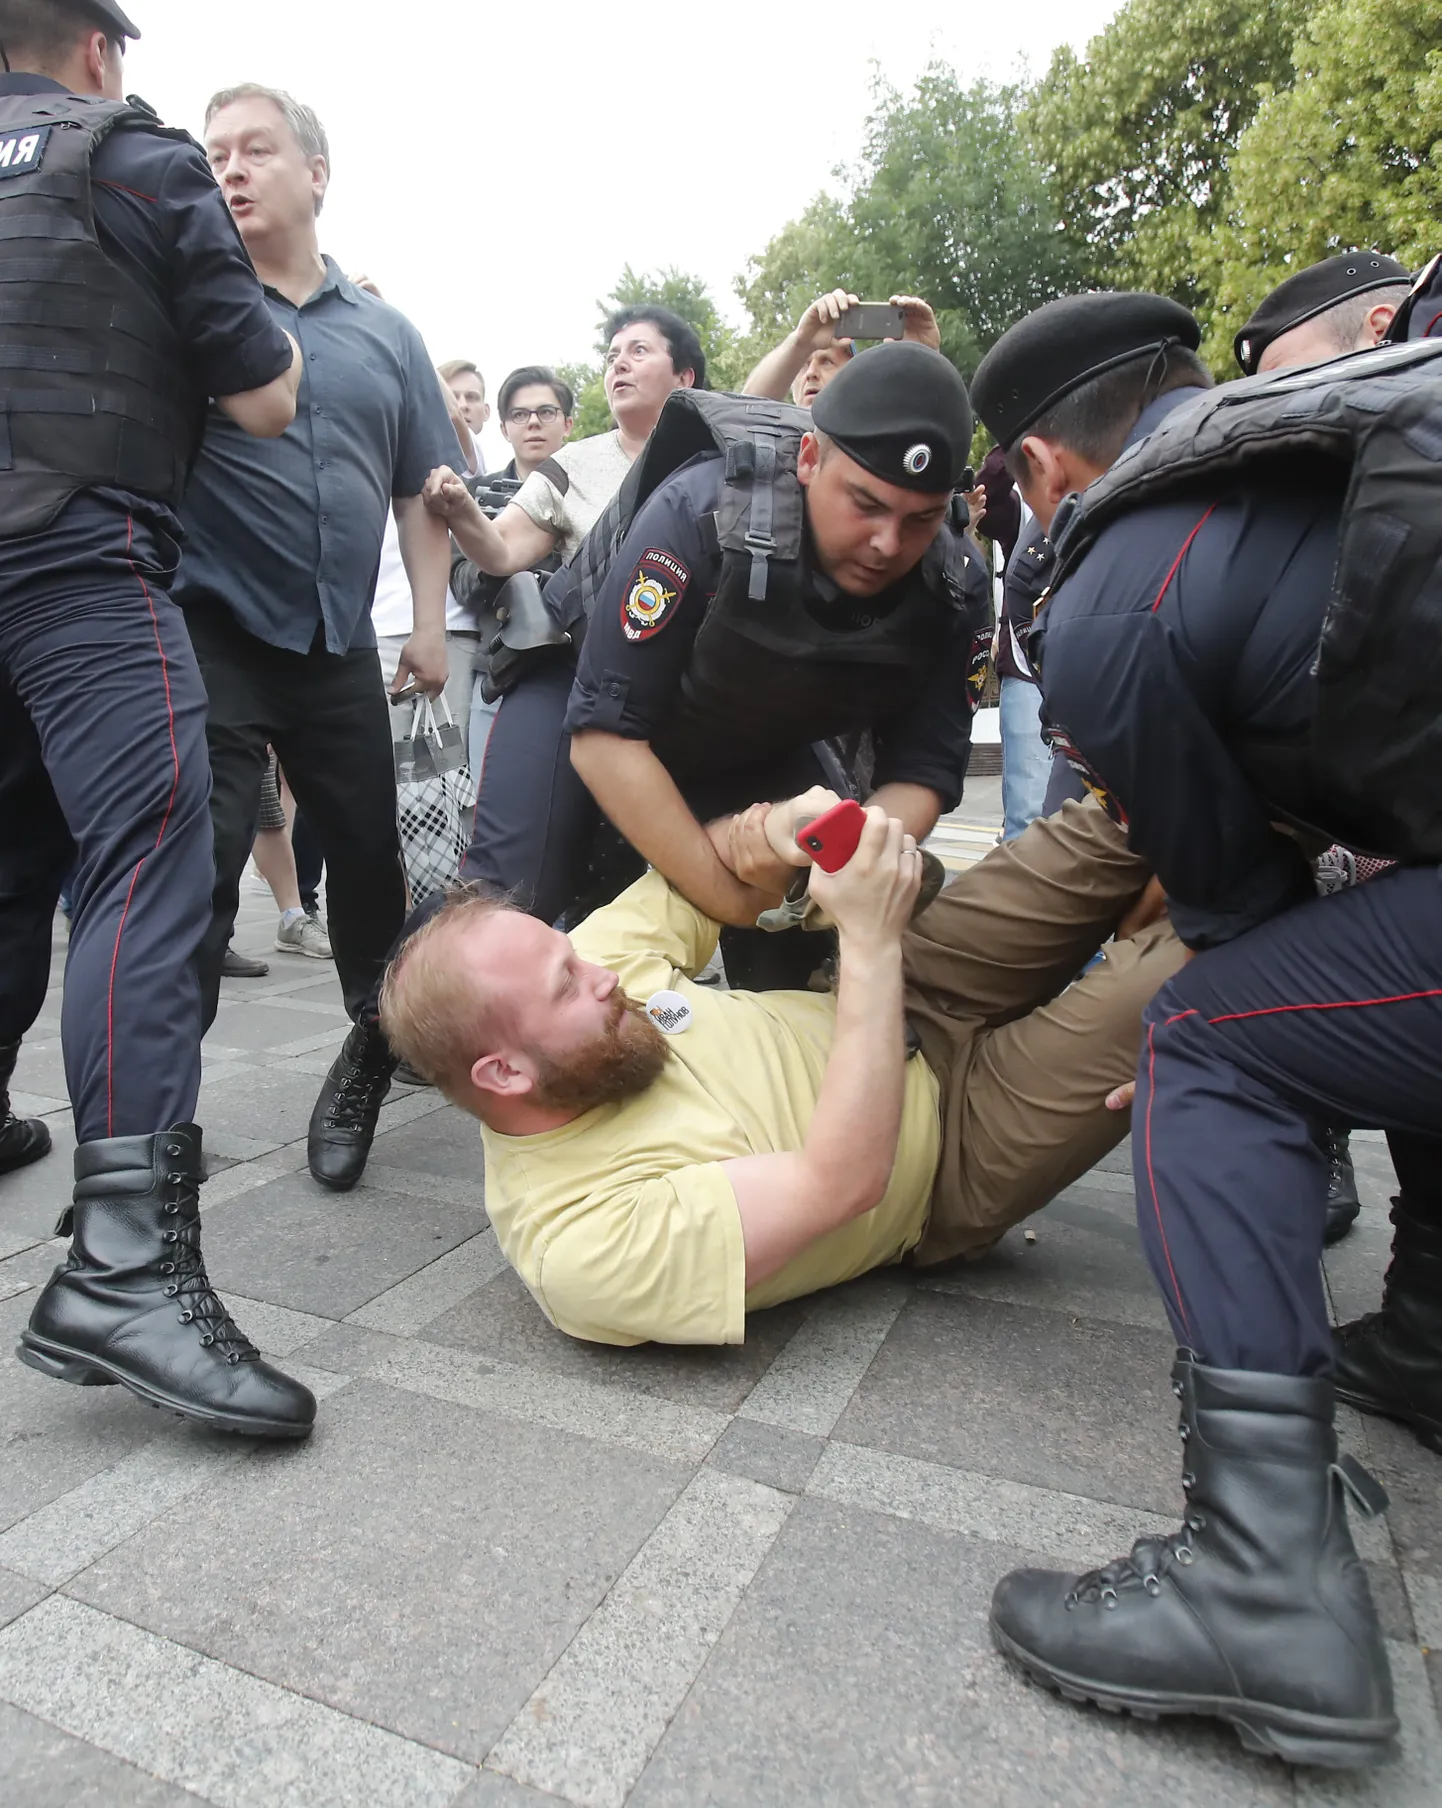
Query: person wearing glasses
column 537, row 413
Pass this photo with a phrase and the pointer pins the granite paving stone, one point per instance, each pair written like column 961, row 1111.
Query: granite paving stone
column 858, row 1669
column 772, row 1454
column 1046, row 1398
column 808, row 1385
column 31, row 1197
column 1084, row 1262
column 293, row 1244
column 595, row 1718
column 41, row 1067
column 54, row 1437
column 489, row 1789
column 502, row 1320
column 254, row 1112
column 447, row 1144
column 237, row 1741
column 1412, row 1477
column 413, row 1566
column 45, row 1768
column 18, row 1594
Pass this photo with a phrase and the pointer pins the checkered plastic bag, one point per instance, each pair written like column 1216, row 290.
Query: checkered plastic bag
column 434, row 789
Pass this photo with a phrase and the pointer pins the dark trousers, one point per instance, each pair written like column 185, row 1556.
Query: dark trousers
column 535, row 820
column 325, row 715
column 103, row 762
column 1330, row 1014
column 309, row 866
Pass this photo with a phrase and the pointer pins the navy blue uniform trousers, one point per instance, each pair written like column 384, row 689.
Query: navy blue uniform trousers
column 103, row 760
column 1330, row 1014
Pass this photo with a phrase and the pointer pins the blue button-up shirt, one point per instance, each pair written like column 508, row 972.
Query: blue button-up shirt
column 286, row 533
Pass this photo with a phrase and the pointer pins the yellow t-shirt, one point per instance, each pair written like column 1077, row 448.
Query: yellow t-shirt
column 622, row 1223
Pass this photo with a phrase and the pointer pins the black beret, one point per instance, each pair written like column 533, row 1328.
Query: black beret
column 1063, row 345
column 900, row 410
column 1310, row 292
column 110, row 13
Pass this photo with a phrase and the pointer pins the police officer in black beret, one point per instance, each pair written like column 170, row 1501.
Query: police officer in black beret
column 1182, row 659
column 128, row 302
column 690, row 701
column 1343, row 304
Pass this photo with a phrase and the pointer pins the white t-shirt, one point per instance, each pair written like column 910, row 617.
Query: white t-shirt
column 595, row 468
column 392, row 610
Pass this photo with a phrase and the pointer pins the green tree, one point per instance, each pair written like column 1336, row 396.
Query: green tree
column 947, row 201
column 1350, row 155
column 1137, row 133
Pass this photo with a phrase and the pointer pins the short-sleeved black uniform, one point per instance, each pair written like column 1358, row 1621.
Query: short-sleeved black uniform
column 631, row 668
column 535, row 819
column 102, row 712
column 1177, row 660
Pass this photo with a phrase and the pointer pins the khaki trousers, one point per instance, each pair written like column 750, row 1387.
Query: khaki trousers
column 1025, row 1051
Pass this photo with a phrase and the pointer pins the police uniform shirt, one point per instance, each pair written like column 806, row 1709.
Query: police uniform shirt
column 160, row 217
column 1176, row 668
column 286, row 533
column 652, row 602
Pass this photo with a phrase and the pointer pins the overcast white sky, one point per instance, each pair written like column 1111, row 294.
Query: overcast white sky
column 495, row 166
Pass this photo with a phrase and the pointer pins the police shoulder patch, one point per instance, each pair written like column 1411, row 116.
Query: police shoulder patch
column 22, row 152
column 653, row 592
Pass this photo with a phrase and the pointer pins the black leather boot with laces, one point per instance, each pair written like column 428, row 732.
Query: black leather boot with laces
column 133, row 1303
column 1256, row 1612
column 343, row 1124
column 1343, row 1205
column 22, row 1139
column 1390, row 1362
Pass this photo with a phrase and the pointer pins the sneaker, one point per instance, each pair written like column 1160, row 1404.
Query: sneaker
column 303, row 935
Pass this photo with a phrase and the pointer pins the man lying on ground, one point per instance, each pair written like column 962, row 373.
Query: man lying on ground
column 662, row 1159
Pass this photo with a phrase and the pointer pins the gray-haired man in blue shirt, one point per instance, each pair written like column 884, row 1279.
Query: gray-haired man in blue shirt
column 277, row 578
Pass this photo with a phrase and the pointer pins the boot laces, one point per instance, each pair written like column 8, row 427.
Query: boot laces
column 357, row 1094
column 190, row 1285
column 1150, row 1558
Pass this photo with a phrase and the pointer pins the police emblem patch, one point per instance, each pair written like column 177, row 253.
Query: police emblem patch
column 654, row 589
column 917, row 459
column 22, row 153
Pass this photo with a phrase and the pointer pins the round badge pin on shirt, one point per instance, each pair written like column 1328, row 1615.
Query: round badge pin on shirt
column 670, row 1012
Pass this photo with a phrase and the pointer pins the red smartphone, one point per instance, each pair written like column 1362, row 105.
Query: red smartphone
column 831, row 838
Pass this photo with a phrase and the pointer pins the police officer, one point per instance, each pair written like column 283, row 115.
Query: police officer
column 1343, row 304
column 1178, row 656
column 128, row 301
column 678, row 714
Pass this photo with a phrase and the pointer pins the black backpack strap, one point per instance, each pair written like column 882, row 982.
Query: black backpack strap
column 556, row 474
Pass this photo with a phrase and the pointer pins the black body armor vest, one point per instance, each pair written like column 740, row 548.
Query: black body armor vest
column 94, row 384
column 1369, row 428
column 774, row 665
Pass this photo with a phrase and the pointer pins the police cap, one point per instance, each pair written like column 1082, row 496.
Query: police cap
column 1065, row 344
column 111, row 15
column 1311, row 292
column 900, row 410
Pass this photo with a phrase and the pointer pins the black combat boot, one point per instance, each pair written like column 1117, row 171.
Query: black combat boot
column 1257, row 1611
column 1390, row 1362
column 133, row 1302
column 1343, row 1204
column 343, row 1124
column 22, row 1139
